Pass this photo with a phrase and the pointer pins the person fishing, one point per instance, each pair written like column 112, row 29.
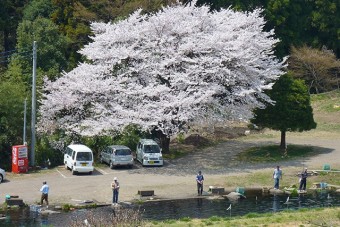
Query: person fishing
column 277, row 175
column 303, row 180
column 199, row 180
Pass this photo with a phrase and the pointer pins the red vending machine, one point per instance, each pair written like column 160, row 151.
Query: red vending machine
column 19, row 159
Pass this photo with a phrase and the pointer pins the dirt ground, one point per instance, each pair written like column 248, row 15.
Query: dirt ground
column 176, row 179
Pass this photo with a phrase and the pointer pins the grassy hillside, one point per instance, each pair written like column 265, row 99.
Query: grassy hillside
column 327, row 102
column 326, row 108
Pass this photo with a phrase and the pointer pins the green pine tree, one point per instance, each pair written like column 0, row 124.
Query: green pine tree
column 292, row 110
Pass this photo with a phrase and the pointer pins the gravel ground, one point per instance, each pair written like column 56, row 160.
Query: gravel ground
column 221, row 159
column 176, row 179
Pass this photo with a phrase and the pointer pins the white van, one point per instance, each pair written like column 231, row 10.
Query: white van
column 149, row 153
column 79, row 159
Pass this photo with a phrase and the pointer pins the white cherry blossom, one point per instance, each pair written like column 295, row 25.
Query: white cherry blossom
column 180, row 65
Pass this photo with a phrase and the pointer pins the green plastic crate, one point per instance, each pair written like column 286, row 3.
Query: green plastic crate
column 326, row 167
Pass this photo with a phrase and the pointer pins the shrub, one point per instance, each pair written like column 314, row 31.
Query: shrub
column 185, row 219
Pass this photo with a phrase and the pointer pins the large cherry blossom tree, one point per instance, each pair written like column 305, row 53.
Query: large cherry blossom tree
column 164, row 71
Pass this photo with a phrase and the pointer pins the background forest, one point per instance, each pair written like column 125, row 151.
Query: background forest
column 309, row 31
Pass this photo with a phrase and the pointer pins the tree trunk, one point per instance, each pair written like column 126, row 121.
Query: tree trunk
column 165, row 143
column 163, row 140
column 283, row 145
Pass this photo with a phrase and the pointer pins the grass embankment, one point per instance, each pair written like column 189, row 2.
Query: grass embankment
column 262, row 178
column 326, row 108
column 302, row 217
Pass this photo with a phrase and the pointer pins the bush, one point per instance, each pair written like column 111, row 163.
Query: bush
column 130, row 136
column 66, row 207
column 46, row 155
column 294, row 192
column 180, row 138
column 214, row 218
column 185, row 219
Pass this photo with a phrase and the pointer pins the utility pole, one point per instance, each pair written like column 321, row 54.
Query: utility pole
column 24, row 134
column 33, row 103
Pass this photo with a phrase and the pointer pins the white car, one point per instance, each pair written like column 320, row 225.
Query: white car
column 149, row 153
column 79, row 159
column 2, row 175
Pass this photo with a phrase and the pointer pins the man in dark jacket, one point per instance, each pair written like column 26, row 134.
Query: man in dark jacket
column 199, row 180
column 303, row 180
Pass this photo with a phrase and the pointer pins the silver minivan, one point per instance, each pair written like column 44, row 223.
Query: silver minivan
column 149, row 153
column 117, row 155
column 79, row 159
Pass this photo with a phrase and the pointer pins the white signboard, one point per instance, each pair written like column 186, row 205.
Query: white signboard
column 22, row 152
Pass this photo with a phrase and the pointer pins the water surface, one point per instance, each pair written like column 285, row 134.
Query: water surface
column 176, row 209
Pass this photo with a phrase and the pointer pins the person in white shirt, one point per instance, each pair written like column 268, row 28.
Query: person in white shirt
column 115, row 188
column 277, row 175
column 44, row 193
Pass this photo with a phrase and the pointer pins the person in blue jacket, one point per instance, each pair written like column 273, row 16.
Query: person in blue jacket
column 199, row 180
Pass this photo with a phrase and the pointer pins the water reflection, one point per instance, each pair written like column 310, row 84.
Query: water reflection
column 276, row 203
column 199, row 202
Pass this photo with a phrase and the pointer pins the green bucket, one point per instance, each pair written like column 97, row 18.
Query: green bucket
column 326, row 167
column 240, row 190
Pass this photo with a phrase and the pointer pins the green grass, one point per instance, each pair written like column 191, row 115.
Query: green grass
column 327, row 102
column 185, row 219
column 214, row 218
column 303, row 217
column 326, row 96
column 323, row 126
column 273, row 153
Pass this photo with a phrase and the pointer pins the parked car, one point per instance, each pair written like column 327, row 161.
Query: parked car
column 149, row 153
column 117, row 155
column 2, row 175
column 79, row 159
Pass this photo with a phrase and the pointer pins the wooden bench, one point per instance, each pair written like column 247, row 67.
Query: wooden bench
column 14, row 202
column 146, row 192
column 217, row 190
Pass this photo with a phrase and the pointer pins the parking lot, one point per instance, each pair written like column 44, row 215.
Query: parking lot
column 68, row 188
column 99, row 170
